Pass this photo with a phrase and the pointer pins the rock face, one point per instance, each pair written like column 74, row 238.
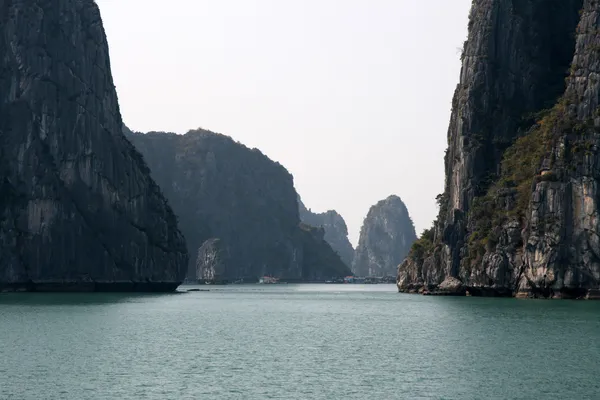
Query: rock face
column 234, row 204
column 320, row 261
column 385, row 239
column 78, row 209
column 519, row 215
column 212, row 261
column 336, row 231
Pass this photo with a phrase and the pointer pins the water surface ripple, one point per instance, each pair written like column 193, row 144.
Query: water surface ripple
column 296, row 342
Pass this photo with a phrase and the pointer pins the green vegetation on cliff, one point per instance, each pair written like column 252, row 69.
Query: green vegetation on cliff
column 509, row 197
column 422, row 246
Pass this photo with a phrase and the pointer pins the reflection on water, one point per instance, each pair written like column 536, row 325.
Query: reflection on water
column 77, row 299
column 294, row 288
column 330, row 342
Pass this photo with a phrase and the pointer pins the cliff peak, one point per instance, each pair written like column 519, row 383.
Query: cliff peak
column 336, row 231
column 238, row 209
column 385, row 238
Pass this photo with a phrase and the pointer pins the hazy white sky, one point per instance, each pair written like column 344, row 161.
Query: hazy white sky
column 353, row 97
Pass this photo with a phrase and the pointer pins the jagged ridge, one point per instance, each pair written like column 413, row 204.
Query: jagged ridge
column 336, row 231
column 237, row 208
column 526, row 225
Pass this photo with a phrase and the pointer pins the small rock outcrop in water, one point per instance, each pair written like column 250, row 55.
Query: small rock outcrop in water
column 336, row 231
column 237, row 208
column 519, row 214
column 385, row 239
column 212, row 261
column 78, row 209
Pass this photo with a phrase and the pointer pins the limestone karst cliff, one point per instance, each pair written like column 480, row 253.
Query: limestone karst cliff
column 336, row 231
column 237, row 208
column 320, row 262
column 519, row 214
column 385, row 239
column 78, row 209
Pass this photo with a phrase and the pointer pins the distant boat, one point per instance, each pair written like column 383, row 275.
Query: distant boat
column 268, row 280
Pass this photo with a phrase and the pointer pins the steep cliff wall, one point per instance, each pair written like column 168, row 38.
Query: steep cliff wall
column 531, row 227
column 78, row 209
column 561, row 252
column 385, row 239
column 336, row 231
column 237, row 208
column 320, row 261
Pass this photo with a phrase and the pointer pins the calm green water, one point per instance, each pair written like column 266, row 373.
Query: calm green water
column 296, row 342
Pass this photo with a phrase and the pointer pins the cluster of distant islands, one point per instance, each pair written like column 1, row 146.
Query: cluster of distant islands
column 243, row 213
column 87, row 204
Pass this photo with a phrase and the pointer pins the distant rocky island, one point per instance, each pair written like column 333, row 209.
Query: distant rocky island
column 385, row 239
column 519, row 213
column 237, row 209
column 78, row 208
column 88, row 205
column 336, row 231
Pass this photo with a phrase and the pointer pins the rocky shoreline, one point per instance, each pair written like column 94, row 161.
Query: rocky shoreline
column 519, row 213
column 454, row 287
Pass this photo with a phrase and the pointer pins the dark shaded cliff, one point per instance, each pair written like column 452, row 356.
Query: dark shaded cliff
column 519, row 212
column 336, row 231
column 237, row 208
column 385, row 239
column 320, row 261
column 78, row 209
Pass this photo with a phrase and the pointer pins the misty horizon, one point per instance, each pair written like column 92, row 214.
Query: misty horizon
column 350, row 99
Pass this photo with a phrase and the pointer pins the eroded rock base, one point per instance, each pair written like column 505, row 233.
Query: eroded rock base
column 564, row 293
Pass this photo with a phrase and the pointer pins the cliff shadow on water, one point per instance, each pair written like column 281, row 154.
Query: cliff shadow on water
column 78, row 299
column 519, row 213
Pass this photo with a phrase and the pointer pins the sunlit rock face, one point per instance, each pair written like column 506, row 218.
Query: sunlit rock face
column 519, row 215
column 78, row 209
column 385, row 239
